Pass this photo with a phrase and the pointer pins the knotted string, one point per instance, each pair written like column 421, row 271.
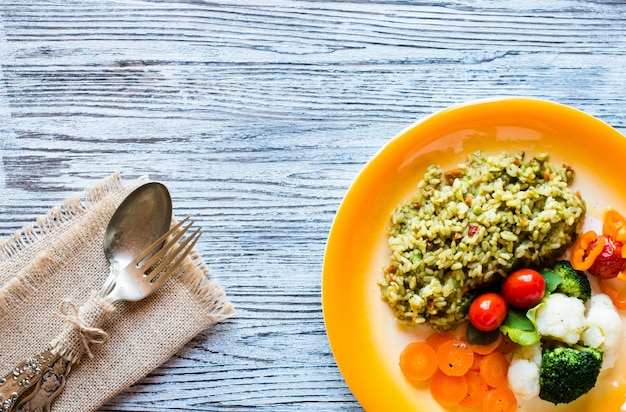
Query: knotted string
column 89, row 335
column 82, row 327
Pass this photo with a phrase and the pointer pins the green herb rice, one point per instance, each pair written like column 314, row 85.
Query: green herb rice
column 468, row 227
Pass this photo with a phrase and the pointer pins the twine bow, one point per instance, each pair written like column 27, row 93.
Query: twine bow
column 88, row 334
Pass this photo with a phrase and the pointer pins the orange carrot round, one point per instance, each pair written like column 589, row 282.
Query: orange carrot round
column 418, row 361
column 494, row 369
column 436, row 339
column 506, row 345
column 476, row 390
column 501, row 399
column 448, row 390
column 455, row 357
column 477, row 358
column 487, row 349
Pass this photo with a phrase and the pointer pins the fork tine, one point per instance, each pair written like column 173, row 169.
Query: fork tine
column 154, row 246
column 162, row 252
column 180, row 254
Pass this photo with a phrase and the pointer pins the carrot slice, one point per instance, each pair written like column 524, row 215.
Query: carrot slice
column 487, row 349
column 455, row 357
column 476, row 390
column 448, row 390
column 418, row 361
column 494, row 369
column 436, row 339
column 477, row 358
column 506, row 346
column 501, row 399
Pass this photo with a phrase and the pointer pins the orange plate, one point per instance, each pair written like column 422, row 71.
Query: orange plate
column 365, row 339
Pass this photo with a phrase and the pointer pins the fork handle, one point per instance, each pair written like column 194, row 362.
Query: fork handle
column 22, row 378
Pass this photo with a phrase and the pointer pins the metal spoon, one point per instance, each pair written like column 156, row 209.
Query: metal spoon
column 140, row 219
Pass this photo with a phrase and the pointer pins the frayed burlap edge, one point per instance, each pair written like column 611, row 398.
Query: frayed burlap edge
column 58, row 216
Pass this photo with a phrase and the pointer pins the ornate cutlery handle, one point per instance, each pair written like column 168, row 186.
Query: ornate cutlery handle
column 46, row 373
column 49, row 386
column 22, row 378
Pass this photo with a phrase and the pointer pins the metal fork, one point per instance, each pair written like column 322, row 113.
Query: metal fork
column 136, row 281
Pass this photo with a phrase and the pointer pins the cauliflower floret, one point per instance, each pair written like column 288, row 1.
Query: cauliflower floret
column 604, row 328
column 524, row 371
column 561, row 317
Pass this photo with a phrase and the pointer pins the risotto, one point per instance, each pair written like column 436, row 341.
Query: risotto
column 466, row 228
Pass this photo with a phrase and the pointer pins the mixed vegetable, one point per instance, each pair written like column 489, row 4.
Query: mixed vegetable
column 604, row 256
column 540, row 333
column 460, row 373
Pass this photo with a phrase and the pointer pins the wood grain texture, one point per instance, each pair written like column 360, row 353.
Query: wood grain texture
column 258, row 115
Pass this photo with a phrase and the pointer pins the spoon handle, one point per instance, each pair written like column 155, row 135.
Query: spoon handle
column 22, row 378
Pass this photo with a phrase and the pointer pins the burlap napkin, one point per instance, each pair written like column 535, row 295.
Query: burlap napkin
column 51, row 267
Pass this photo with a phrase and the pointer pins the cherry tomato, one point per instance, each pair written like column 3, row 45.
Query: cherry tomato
column 523, row 288
column 487, row 311
column 609, row 262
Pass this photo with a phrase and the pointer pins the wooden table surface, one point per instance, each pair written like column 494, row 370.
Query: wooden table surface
column 258, row 115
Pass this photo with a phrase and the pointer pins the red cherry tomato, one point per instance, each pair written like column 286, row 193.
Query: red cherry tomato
column 523, row 288
column 487, row 311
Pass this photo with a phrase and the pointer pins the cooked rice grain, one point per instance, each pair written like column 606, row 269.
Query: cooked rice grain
column 469, row 226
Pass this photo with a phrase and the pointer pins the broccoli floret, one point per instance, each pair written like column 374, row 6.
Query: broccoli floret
column 573, row 282
column 567, row 373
